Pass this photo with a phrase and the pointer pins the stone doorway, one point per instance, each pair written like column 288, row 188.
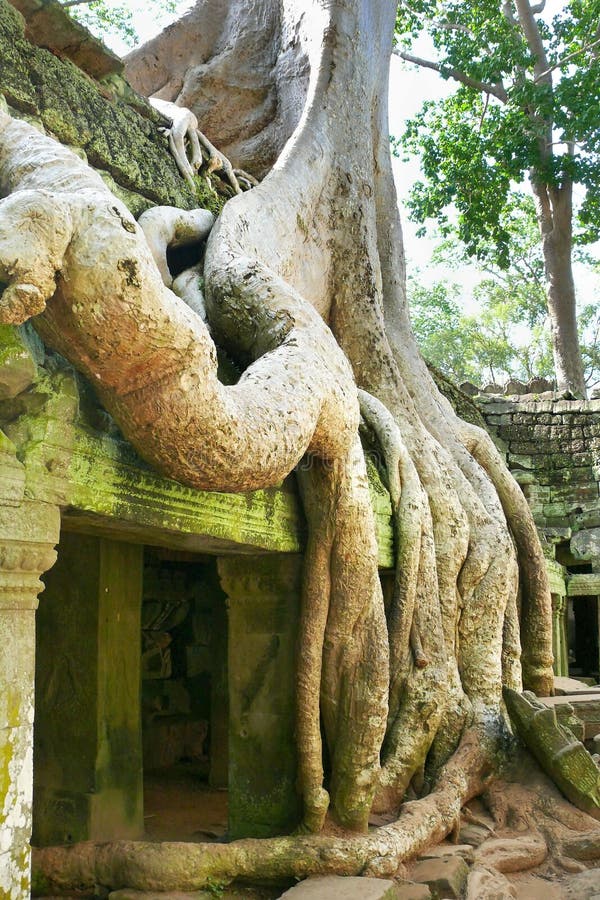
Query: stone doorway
column 184, row 705
column 131, row 681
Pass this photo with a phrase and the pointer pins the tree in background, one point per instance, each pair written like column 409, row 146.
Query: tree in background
column 507, row 335
column 115, row 18
column 526, row 107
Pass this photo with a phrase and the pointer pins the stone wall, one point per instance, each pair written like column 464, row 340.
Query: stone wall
column 552, row 447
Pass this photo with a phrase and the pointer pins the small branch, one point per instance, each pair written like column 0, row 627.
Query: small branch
column 485, row 108
column 566, row 59
column 532, row 35
column 508, row 13
column 68, row 3
column 454, row 26
column 496, row 90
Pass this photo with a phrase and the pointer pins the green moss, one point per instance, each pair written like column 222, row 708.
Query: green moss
column 105, row 121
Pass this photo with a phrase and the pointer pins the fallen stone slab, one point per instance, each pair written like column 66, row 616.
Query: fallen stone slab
column 585, row 886
column 583, row 846
column 339, row 887
column 127, row 894
column 512, row 854
column 464, row 850
column 409, row 890
column 473, row 834
column 533, row 887
column 564, row 685
column 489, row 884
column 446, row 876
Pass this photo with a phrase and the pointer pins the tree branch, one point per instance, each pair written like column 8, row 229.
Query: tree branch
column 566, row 59
column 496, row 90
column 68, row 3
column 532, row 35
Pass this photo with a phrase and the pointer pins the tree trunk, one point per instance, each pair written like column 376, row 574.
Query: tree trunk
column 554, row 209
column 410, row 696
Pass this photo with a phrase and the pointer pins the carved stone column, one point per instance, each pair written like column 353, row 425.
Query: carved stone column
column 263, row 610
column 88, row 747
column 560, row 646
column 28, row 534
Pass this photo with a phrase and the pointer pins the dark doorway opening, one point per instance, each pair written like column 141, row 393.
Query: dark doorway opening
column 184, row 697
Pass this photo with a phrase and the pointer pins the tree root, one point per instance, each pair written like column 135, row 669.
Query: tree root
column 188, row 867
column 185, row 127
column 536, row 606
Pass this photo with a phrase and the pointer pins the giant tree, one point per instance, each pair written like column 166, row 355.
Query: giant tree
column 525, row 107
column 305, row 287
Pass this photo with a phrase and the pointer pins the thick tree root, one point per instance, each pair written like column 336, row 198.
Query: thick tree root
column 536, row 609
column 188, row 867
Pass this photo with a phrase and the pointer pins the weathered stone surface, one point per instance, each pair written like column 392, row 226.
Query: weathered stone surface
column 584, row 846
column 17, row 366
column 446, row 877
column 474, row 835
column 514, row 387
column 127, row 894
column 512, row 854
column 585, row 886
column 264, row 605
column 565, row 686
column 67, row 102
column 409, row 890
column 442, row 850
column 586, row 544
column 335, row 887
column 584, row 585
column 486, row 884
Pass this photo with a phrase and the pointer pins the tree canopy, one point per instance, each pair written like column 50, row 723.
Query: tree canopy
column 526, row 107
column 502, row 330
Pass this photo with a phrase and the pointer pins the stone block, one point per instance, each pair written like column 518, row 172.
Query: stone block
column 442, row 850
column 584, row 886
column 410, row 890
column 486, row 884
column 586, row 544
column 445, row 877
column 512, row 854
column 338, row 887
column 474, row 835
column 17, row 365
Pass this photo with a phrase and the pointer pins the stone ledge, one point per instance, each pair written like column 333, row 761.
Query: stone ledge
column 102, row 485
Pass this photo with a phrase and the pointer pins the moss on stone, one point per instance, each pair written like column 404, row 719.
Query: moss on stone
column 101, row 120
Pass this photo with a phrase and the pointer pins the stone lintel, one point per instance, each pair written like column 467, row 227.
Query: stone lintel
column 583, row 585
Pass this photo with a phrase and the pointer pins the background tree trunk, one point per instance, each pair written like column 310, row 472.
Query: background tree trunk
column 554, row 208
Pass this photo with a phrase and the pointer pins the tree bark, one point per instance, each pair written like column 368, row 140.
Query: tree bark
column 305, row 285
column 554, row 207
